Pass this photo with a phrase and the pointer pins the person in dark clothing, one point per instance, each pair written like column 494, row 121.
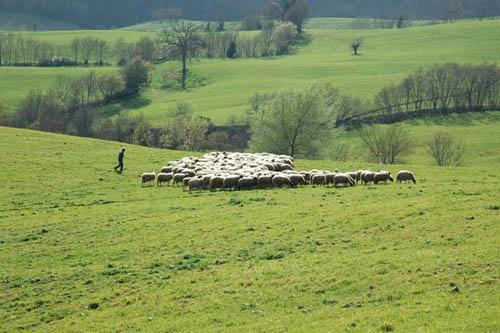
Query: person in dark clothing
column 120, row 161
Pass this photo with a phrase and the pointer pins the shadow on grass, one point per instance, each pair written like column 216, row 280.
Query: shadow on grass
column 129, row 104
column 458, row 119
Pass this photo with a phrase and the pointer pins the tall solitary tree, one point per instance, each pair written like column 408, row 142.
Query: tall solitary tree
column 181, row 41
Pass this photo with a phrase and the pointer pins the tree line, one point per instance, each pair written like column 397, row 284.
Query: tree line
column 442, row 88
column 118, row 13
column 21, row 50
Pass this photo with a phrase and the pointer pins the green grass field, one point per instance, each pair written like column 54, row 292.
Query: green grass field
column 364, row 259
column 386, row 57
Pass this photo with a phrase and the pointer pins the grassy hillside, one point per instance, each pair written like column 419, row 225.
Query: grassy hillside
column 374, row 258
column 386, row 57
column 27, row 22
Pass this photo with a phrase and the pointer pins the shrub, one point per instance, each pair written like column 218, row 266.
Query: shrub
column 446, row 150
column 387, row 144
column 136, row 75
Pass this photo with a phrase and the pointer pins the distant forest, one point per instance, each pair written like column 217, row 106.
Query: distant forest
column 117, row 13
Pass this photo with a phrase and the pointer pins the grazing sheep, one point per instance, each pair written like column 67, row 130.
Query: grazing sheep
column 367, row 177
column 406, row 176
column 198, row 183
column 297, row 180
column 329, row 178
column 281, row 180
column 354, row 175
column 217, row 182
column 247, row 183
column 265, row 181
column 166, row 169
column 383, row 176
column 343, row 179
column 185, row 181
column 231, row 182
column 178, row 177
column 284, row 167
column 307, row 176
column 149, row 178
column 318, row 179
column 189, row 172
column 164, row 178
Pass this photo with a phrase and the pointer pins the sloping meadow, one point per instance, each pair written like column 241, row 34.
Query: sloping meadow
column 84, row 249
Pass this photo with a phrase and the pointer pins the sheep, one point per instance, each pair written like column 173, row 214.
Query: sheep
column 329, row 178
column 265, row 181
column 198, row 183
column 178, row 177
column 166, row 169
column 383, row 176
column 164, row 178
column 367, row 177
column 296, row 180
column 318, row 179
column 148, row 177
column 281, row 180
column 406, row 176
column 247, row 183
column 306, row 175
column 185, row 181
column 354, row 175
column 189, row 172
column 216, row 182
column 231, row 182
column 343, row 179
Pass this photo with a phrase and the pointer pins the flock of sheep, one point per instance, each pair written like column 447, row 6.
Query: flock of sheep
column 244, row 171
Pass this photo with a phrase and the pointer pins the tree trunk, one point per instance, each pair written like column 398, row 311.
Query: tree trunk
column 184, row 71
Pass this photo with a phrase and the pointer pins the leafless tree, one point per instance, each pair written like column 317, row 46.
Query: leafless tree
column 182, row 41
column 446, row 150
column 387, row 144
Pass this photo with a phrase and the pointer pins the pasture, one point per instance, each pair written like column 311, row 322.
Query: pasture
column 226, row 85
column 84, row 249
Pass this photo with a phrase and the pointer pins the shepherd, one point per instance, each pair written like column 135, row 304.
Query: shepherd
column 120, row 161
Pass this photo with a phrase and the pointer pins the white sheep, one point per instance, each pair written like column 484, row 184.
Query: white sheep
column 164, row 178
column 148, row 177
column 406, row 176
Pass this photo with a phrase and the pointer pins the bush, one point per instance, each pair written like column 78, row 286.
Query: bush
column 387, row 144
column 446, row 150
column 136, row 75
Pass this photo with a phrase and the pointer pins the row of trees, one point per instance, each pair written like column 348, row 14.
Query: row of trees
column 22, row 50
column 115, row 13
column 302, row 122
column 275, row 40
column 443, row 88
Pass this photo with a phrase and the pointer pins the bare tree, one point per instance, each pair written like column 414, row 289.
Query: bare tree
column 75, row 47
column 182, row 41
column 387, row 144
column 101, row 48
column 356, row 44
column 446, row 150
column 146, row 49
column 109, row 85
